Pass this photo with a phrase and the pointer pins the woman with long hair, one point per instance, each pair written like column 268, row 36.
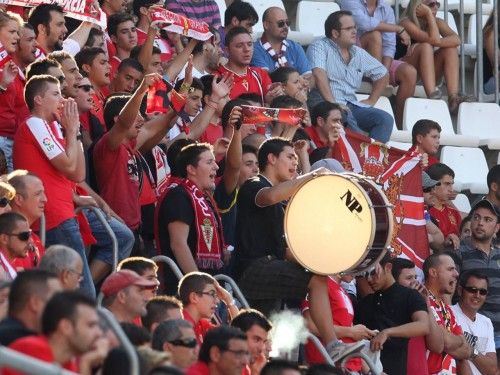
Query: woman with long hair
column 489, row 55
column 434, row 49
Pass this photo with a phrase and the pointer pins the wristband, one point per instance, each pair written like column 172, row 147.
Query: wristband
column 185, row 87
column 401, row 31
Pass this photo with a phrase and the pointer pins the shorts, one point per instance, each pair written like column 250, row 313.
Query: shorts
column 395, row 64
column 272, row 278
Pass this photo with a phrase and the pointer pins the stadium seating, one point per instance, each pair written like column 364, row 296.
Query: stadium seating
column 311, row 16
column 475, row 120
column 470, row 168
column 222, row 9
column 462, row 203
column 260, row 6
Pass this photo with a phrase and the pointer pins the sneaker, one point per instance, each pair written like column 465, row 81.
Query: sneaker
column 436, row 94
column 339, row 350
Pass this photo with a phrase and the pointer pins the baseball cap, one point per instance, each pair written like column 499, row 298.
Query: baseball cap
column 427, row 181
column 123, row 279
column 485, row 203
column 330, row 164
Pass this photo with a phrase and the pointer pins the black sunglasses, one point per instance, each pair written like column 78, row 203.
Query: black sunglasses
column 282, row 23
column 22, row 236
column 85, row 88
column 4, row 202
column 187, row 343
column 474, row 290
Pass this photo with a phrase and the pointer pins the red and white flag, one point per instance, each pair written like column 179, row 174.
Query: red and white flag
column 179, row 24
column 400, row 175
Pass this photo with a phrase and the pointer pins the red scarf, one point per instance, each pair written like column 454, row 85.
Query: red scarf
column 279, row 57
column 209, row 237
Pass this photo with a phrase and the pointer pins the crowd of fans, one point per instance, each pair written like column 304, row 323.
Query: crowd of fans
column 208, row 190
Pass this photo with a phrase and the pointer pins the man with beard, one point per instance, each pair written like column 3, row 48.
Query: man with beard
column 481, row 254
column 441, row 276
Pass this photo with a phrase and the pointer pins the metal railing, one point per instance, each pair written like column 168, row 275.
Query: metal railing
column 124, row 341
column 236, row 289
column 170, row 262
column 28, row 365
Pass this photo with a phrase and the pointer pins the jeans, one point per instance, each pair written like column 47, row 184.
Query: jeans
column 6, row 145
column 68, row 233
column 376, row 122
column 103, row 248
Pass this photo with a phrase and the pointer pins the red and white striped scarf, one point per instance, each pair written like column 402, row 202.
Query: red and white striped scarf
column 279, row 58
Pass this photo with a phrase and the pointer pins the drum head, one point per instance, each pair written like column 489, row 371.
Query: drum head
column 329, row 224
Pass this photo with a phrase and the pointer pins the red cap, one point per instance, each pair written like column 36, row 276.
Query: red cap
column 123, row 279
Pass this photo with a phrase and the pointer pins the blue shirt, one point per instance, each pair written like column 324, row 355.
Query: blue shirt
column 295, row 56
column 366, row 23
column 344, row 78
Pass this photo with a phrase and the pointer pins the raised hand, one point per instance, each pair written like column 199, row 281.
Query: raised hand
column 69, row 117
column 222, row 88
column 148, row 81
column 9, row 74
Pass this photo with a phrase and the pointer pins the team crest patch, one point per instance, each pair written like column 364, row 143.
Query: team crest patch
column 48, row 144
column 244, row 83
column 208, row 233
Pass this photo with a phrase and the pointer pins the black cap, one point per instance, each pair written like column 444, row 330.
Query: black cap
column 485, row 203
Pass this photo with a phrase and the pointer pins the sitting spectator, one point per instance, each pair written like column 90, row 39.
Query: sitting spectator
column 396, row 312
column 425, row 136
column 152, row 358
column 493, row 181
column 138, row 336
column 123, row 34
column 70, row 331
column 124, row 295
column 91, row 127
column 477, row 328
column 281, row 367
column 66, row 263
column 28, row 295
column 292, row 83
column 224, row 352
column 338, row 49
column 434, row 234
column 377, row 35
column 441, row 275
column 159, row 309
column 273, row 50
column 326, row 121
column 256, row 326
column 489, row 56
column 15, row 242
column 199, row 294
column 434, row 35
column 448, row 218
column 144, row 267
column 465, row 228
column 206, row 11
column 127, row 77
column 177, row 338
column 238, row 13
column 477, row 254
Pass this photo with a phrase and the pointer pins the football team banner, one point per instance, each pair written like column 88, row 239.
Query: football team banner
column 161, row 96
column 82, row 10
column 253, row 115
column 178, row 24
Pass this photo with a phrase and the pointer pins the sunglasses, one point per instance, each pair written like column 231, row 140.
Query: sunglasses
column 22, row 236
column 474, row 290
column 432, row 4
column 187, row 343
column 282, row 23
column 85, row 88
column 4, row 202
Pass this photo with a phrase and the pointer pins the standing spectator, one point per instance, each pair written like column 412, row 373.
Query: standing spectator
column 481, row 254
column 70, row 331
column 397, row 312
column 441, row 275
column 123, row 33
column 293, row 84
column 124, row 295
column 274, row 50
column 420, row 21
column 127, row 77
column 66, row 264
column 434, row 234
column 338, row 49
column 326, row 121
column 159, row 309
column 110, row 7
column 224, row 352
column 425, row 136
column 177, row 337
column 477, row 328
column 377, row 35
column 56, row 159
column 4, row 298
column 70, row 70
column 15, row 238
column 493, row 181
column 26, row 48
column 28, row 295
column 204, row 11
column 144, row 267
column 448, row 218
column 238, row 13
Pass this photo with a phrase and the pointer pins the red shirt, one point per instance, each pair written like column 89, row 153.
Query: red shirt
column 416, row 363
column 343, row 315
column 448, row 219
column 115, row 63
column 212, row 133
column 13, row 108
column 35, row 254
column 256, row 81
column 201, row 328
column 118, row 178
column 431, row 159
column 37, row 347
column 314, row 135
column 164, row 45
column 98, row 99
column 36, row 143
column 199, row 368
column 444, row 316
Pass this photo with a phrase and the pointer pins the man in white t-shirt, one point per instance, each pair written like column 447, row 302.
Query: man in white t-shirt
column 477, row 328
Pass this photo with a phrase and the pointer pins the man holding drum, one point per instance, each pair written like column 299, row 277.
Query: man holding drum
column 265, row 268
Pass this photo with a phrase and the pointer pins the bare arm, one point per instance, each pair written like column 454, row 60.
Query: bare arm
column 456, row 346
column 147, row 48
column 486, row 363
column 154, row 130
column 321, row 79
column 489, row 45
column 178, row 232
column 234, row 153
column 449, row 37
column 81, row 33
column 377, row 88
column 431, row 36
column 178, row 62
column 436, row 238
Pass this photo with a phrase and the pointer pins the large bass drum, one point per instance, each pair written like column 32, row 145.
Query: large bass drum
column 338, row 223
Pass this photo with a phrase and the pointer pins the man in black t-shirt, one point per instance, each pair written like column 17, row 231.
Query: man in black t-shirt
column 397, row 312
column 265, row 268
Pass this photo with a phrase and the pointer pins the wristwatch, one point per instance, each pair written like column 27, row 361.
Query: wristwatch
column 474, row 354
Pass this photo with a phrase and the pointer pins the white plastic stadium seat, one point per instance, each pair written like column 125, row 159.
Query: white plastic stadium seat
column 260, row 6
column 469, row 165
column 436, row 110
column 311, row 16
column 451, row 20
column 400, row 145
column 480, row 120
column 222, row 9
column 384, row 104
column 462, row 203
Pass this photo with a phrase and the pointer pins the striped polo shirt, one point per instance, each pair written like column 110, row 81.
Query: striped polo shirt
column 200, row 10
